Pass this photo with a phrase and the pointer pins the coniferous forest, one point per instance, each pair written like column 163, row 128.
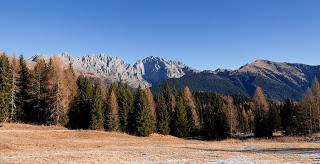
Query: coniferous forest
column 50, row 94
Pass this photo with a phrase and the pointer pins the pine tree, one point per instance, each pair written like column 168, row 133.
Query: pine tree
column 180, row 121
column 231, row 113
column 4, row 88
column 125, row 102
column 174, row 96
column 56, row 93
column 292, row 119
column 274, row 121
column 215, row 125
column 81, row 110
column 243, row 118
column 23, row 96
column 261, row 119
column 168, row 96
column 37, row 111
column 152, row 106
column 163, row 118
column 99, row 97
column 14, row 87
column 192, row 114
column 260, row 100
column 140, row 122
column 170, row 99
column 71, row 84
column 112, row 122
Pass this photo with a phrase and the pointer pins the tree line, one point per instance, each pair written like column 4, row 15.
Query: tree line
column 51, row 93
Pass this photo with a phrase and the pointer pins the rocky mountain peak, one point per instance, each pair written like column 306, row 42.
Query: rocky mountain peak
column 146, row 72
column 155, row 69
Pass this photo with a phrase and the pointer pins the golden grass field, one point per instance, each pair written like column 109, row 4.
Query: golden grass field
column 21, row 143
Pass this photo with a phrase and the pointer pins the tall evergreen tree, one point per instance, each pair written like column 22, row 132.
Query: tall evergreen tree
column 292, row 119
column 215, row 125
column 140, row 122
column 163, row 117
column 168, row 96
column 231, row 112
column 179, row 119
column 99, row 97
column 274, row 121
column 125, row 103
column 39, row 111
column 23, row 96
column 152, row 106
column 243, row 118
column 71, row 84
column 261, row 119
column 4, row 88
column 192, row 113
column 112, row 122
column 81, row 110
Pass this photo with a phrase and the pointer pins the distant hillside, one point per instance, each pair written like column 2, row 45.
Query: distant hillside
column 279, row 80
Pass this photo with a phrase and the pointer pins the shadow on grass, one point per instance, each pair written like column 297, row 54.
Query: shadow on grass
column 264, row 150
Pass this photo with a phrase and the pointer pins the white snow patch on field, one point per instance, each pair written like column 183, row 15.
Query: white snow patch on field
column 316, row 139
column 249, row 148
column 317, row 156
column 235, row 160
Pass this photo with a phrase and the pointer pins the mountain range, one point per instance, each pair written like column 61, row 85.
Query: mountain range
column 279, row 80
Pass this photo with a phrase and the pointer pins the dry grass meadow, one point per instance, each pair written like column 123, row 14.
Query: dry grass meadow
column 20, row 143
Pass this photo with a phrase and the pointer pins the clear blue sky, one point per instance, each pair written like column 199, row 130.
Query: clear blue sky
column 205, row 34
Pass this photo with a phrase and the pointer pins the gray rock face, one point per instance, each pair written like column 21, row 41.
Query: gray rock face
column 145, row 73
column 110, row 69
column 155, row 70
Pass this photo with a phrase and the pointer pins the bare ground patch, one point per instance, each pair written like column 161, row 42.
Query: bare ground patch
column 20, row 143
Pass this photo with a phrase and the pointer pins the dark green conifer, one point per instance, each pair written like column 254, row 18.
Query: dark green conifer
column 81, row 110
column 4, row 88
column 261, row 119
column 97, row 119
column 179, row 119
column 125, row 102
column 292, row 119
column 274, row 121
column 23, row 95
column 112, row 122
column 140, row 120
column 163, row 118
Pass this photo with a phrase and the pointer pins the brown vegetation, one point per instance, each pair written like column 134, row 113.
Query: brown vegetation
column 20, row 143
